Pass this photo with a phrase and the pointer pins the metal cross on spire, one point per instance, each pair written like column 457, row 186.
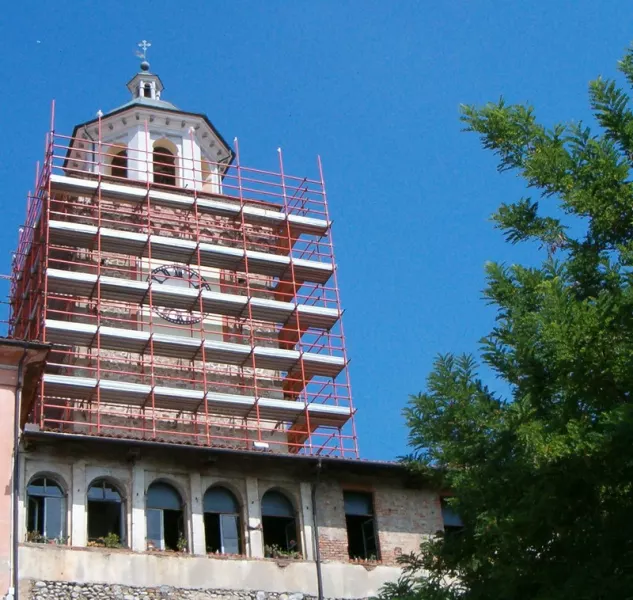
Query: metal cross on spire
column 144, row 45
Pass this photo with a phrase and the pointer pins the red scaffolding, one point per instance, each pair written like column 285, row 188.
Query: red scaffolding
column 178, row 312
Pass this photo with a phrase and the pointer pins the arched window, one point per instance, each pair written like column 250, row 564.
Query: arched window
column 118, row 165
column 164, row 163
column 221, row 521
column 165, row 518
column 106, row 514
column 279, row 525
column 46, row 510
column 147, row 90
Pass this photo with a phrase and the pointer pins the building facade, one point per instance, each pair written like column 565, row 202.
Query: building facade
column 187, row 427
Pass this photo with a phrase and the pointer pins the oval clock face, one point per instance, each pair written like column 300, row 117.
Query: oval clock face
column 180, row 276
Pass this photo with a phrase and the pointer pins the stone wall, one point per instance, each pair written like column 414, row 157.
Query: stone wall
column 61, row 590
column 165, row 426
column 169, row 222
column 190, row 425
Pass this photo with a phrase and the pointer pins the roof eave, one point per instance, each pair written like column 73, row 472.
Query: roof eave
column 354, row 465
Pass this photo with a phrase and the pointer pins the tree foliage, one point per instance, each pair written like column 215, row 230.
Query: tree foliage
column 543, row 479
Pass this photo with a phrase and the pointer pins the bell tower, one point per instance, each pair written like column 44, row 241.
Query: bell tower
column 189, row 299
column 145, row 84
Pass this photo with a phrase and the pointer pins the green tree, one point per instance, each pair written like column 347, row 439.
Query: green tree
column 543, row 479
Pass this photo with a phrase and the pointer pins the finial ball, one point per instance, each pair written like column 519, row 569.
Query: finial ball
column 144, row 66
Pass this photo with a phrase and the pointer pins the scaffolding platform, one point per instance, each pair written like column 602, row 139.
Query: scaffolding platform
column 172, row 249
column 187, row 348
column 139, row 395
column 86, row 285
column 224, row 206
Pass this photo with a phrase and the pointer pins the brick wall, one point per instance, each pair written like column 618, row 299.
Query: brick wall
column 331, row 521
column 403, row 518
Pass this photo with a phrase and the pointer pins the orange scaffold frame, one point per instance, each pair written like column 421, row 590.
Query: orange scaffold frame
column 272, row 374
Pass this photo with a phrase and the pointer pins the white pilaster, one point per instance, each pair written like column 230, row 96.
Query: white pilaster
column 217, row 183
column 308, row 522
column 197, row 541
column 188, row 156
column 79, row 512
column 253, row 516
column 22, row 504
column 139, row 526
column 139, row 155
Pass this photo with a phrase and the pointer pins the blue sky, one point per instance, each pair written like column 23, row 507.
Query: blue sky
column 372, row 86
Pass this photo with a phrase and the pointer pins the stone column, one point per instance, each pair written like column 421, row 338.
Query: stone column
column 197, row 541
column 77, row 498
column 253, row 510
column 139, row 526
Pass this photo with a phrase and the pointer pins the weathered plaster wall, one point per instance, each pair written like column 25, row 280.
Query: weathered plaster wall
column 8, row 380
column 199, row 574
column 191, row 480
column 404, row 514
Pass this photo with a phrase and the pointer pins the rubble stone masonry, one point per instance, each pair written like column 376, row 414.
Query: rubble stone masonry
column 61, row 590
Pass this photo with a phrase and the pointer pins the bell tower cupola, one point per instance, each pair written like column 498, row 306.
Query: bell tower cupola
column 145, row 84
column 148, row 139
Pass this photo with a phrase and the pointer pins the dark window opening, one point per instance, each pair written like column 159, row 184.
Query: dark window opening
column 222, row 530
column 164, row 167
column 361, row 537
column 212, row 532
column 222, row 533
column 279, row 525
column 165, row 518
column 173, row 529
column 118, row 166
column 280, row 535
column 147, row 90
column 362, row 542
column 36, row 515
column 46, row 514
column 450, row 530
column 106, row 514
column 452, row 521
